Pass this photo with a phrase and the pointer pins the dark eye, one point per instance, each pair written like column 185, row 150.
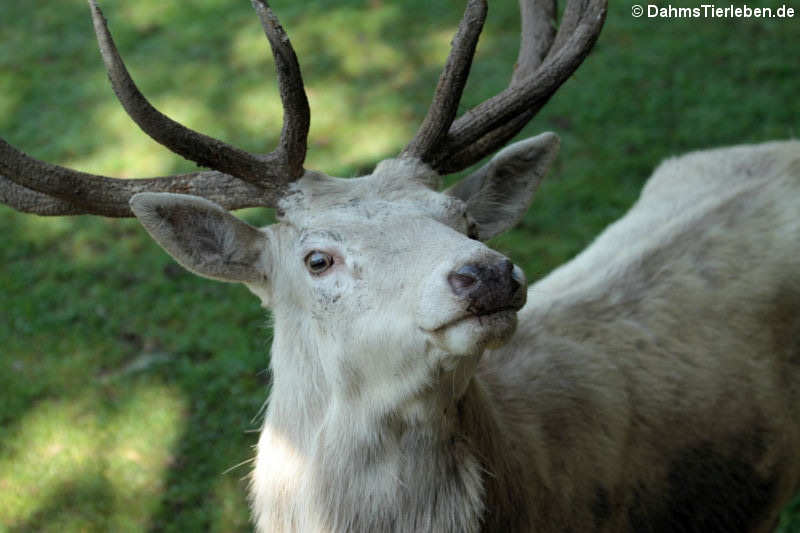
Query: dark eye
column 318, row 262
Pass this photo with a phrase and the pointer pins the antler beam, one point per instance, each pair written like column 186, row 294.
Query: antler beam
column 73, row 192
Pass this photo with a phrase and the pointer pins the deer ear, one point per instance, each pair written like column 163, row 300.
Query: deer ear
column 498, row 194
column 203, row 237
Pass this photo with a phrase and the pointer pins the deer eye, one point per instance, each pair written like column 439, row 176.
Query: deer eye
column 318, row 262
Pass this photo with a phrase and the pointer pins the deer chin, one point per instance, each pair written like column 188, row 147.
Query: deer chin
column 471, row 334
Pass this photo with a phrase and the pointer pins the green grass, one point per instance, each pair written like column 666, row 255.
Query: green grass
column 129, row 388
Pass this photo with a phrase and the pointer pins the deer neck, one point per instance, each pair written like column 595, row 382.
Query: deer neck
column 427, row 455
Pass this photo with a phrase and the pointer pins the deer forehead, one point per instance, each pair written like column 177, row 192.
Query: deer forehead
column 399, row 190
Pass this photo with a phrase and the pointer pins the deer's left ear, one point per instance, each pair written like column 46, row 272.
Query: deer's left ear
column 498, row 194
column 204, row 237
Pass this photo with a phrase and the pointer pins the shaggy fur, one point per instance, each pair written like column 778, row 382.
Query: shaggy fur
column 651, row 385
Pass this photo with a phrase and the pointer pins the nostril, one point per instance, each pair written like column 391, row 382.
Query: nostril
column 463, row 279
column 489, row 288
column 517, row 278
column 459, row 282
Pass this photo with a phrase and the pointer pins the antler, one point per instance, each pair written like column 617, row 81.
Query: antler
column 45, row 189
column 546, row 60
column 242, row 179
column 239, row 179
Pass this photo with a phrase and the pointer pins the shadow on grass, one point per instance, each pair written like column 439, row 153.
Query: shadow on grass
column 66, row 508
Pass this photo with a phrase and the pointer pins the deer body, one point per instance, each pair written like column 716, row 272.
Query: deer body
column 659, row 368
column 649, row 385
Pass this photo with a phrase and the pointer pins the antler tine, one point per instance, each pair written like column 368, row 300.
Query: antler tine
column 489, row 125
column 538, row 30
column 572, row 16
column 296, row 113
column 34, row 186
column 451, row 84
column 239, row 179
column 266, row 171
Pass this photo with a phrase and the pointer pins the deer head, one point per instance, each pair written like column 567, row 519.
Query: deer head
column 380, row 264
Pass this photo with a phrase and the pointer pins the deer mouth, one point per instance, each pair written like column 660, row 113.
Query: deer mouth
column 488, row 319
column 472, row 333
column 476, row 313
column 480, row 318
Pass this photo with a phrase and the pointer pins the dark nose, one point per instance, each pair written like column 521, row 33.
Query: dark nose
column 488, row 288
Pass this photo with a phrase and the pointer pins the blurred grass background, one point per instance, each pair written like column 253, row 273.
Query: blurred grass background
column 129, row 389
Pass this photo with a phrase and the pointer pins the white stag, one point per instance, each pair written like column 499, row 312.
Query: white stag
column 651, row 385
